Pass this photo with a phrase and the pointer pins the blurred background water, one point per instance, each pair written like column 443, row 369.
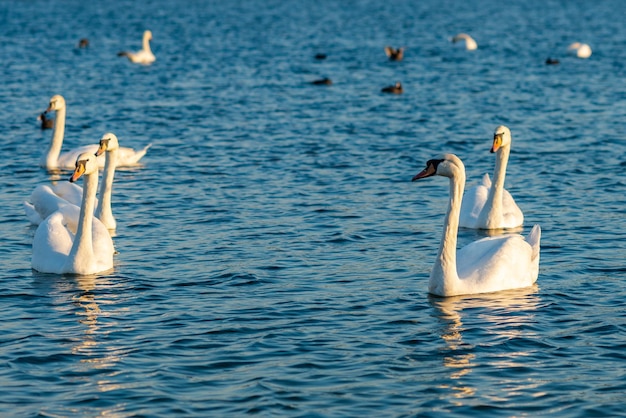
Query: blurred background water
column 273, row 253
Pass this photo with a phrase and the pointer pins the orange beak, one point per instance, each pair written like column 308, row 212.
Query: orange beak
column 427, row 172
column 104, row 143
column 497, row 143
column 78, row 171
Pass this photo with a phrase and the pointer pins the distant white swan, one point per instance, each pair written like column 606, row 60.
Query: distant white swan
column 488, row 265
column 470, row 43
column 46, row 199
column 580, row 50
column 489, row 205
column 66, row 243
column 53, row 159
column 143, row 56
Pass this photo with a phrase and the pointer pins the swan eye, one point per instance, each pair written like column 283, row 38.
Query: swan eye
column 433, row 163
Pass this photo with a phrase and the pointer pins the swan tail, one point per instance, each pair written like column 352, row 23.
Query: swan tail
column 129, row 156
column 486, row 180
column 142, row 152
column 534, row 237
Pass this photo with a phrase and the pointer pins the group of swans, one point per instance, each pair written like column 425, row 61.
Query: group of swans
column 48, row 198
column 490, row 264
column 71, row 239
column 577, row 49
column 73, row 232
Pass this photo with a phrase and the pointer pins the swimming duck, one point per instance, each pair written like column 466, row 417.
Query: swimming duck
column 394, row 54
column 45, row 122
column 395, row 89
column 323, row 81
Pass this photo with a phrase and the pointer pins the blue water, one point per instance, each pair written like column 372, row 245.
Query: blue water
column 273, row 252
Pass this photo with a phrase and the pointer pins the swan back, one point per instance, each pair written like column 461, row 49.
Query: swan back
column 580, row 50
column 470, row 43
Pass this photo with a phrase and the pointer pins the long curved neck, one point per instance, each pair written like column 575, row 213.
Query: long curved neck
column 82, row 248
column 444, row 276
column 103, row 211
column 51, row 157
column 146, row 44
column 493, row 211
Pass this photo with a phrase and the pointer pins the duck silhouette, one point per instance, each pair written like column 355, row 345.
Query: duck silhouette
column 395, row 89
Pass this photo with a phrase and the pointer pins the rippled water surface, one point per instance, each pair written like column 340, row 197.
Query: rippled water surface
column 273, row 252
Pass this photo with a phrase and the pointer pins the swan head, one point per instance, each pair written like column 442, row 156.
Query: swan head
column 57, row 102
column 447, row 166
column 147, row 35
column 86, row 164
column 501, row 138
column 108, row 142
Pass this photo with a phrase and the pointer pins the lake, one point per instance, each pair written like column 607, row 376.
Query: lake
column 273, row 253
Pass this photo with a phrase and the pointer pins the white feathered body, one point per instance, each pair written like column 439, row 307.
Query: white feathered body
column 475, row 214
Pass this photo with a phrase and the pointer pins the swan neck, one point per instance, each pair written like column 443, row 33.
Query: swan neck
column 52, row 156
column 146, row 44
column 444, row 276
column 494, row 212
column 82, row 247
column 103, row 211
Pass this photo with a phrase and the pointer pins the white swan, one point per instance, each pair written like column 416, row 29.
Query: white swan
column 66, row 243
column 46, row 199
column 470, row 43
column 488, row 265
column 110, row 146
column 53, row 159
column 143, row 56
column 489, row 205
column 580, row 50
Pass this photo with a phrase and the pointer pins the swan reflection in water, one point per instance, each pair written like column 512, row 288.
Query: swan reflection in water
column 95, row 349
column 501, row 316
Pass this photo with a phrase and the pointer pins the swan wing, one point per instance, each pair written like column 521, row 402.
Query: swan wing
column 67, row 160
column 512, row 215
column 43, row 202
column 472, row 204
column 70, row 192
column 498, row 263
column 140, row 57
column 32, row 215
column 51, row 244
